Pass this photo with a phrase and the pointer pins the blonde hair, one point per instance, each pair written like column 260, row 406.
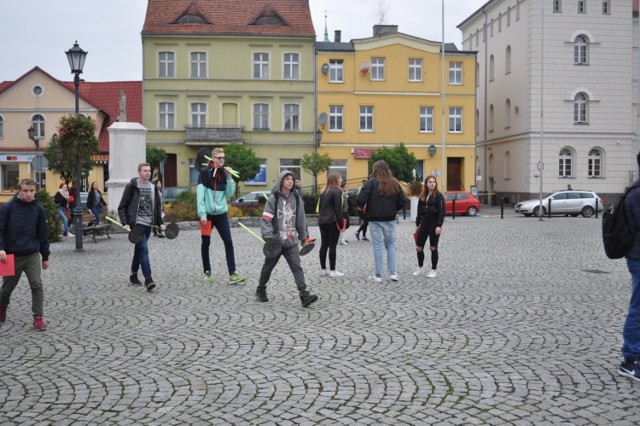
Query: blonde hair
column 333, row 179
column 217, row 151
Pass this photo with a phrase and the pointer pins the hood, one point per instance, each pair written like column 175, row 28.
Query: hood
column 278, row 184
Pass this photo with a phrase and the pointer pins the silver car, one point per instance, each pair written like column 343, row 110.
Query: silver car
column 570, row 202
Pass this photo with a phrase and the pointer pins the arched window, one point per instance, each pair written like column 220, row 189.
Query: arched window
column 580, row 108
column 507, row 113
column 491, row 118
column 594, row 163
column 477, row 74
column 507, row 60
column 1, row 127
column 580, row 50
column 507, row 165
column 565, row 161
column 477, row 121
column 37, row 121
column 491, row 64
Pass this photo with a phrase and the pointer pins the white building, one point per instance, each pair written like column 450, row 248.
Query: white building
column 577, row 59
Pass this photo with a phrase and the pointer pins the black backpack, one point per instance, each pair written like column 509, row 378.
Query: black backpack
column 617, row 238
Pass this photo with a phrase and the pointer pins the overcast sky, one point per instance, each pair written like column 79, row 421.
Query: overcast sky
column 38, row 32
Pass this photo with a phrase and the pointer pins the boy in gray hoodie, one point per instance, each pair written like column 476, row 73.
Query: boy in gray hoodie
column 283, row 218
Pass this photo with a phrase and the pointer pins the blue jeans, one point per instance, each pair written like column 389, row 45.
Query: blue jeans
column 141, row 254
column 96, row 212
column 631, row 330
column 383, row 236
column 63, row 217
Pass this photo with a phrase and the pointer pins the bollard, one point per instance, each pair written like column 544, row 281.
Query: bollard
column 502, row 208
column 453, row 207
column 549, row 209
column 596, row 207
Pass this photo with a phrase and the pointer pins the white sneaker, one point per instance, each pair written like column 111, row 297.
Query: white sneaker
column 418, row 271
column 432, row 274
column 375, row 279
column 324, row 273
column 344, row 242
column 336, row 274
column 69, row 234
column 393, row 276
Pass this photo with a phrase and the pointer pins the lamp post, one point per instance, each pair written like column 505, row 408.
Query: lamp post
column 31, row 131
column 76, row 57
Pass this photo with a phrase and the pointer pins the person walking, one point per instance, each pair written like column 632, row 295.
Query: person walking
column 215, row 185
column 61, row 200
column 24, row 234
column 284, row 218
column 364, row 223
column 382, row 197
column 156, row 231
column 429, row 222
column 345, row 212
column 140, row 206
column 630, row 366
column 331, row 222
column 95, row 201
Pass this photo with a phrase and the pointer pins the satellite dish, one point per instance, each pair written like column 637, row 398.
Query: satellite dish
column 322, row 119
column 324, row 68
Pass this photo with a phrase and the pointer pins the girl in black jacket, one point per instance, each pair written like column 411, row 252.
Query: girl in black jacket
column 429, row 222
column 331, row 222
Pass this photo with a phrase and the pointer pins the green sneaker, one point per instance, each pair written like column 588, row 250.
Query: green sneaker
column 207, row 277
column 236, row 278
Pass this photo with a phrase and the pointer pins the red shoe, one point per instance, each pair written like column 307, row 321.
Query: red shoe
column 3, row 315
column 310, row 240
column 39, row 324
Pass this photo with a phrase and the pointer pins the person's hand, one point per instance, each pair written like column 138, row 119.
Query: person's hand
column 127, row 227
column 438, row 230
column 45, row 265
column 203, row 221
column 3, row 256
column 163, row 227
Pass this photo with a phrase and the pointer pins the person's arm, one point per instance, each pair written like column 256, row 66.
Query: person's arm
column 301, row 220
column 419, row 209
column 42, row 233
column 363, row 195
column 338, row 210
column 266, row 221
column 231, row 186
column 440, row 207
column 124, row 204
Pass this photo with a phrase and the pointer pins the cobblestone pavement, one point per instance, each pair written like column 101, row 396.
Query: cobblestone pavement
column 522, row 326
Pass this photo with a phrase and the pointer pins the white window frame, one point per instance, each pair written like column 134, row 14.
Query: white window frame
column 261, row 66
column 366, row 118
column 415, row 69
column 339, row 166
column 581, row 109
column 582, row 6
column 426, row 120
column 557, row 6
column 581, row 50
column 336, row 118
column 166, row 64
column 565, row 163
column 336, row 71
column 291, row 61
column 291, row 164
column 606, row 7
column 291, row 118
column 261, row 116
column 455, row 119
column 167, row 116
column 198, row 114
column 455, row 73
column 198, row 65
column 38, row 121
column 377, row 70
column 594, row 163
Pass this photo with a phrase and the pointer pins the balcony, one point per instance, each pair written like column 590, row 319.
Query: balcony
column 203, row 135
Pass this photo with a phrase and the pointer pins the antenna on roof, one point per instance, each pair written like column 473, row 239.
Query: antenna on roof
column 326, row 33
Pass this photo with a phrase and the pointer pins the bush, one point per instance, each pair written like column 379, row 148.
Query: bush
column 246, row 211
column 54, row 223
column 184, row 208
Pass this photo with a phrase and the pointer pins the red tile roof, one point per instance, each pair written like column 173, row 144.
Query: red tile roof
column 239, row 17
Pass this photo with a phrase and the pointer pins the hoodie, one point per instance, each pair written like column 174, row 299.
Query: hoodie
column 283, row 218
column 214, row 187
column 23, row 228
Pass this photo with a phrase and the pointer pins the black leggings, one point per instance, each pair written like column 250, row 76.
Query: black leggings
column 365, row 224
column 428, row 231
column 330, row 235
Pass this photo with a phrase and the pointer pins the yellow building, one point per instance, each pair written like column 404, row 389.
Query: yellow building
column 387, row 89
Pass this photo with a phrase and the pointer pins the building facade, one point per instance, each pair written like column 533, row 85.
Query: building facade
column 557, row 95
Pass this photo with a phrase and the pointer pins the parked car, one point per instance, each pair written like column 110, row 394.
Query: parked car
column 465, row 203
column 251, row 199
column 171, row 192
column 571, row 202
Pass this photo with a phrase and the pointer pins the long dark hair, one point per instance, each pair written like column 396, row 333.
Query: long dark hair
column 387, row 184
column 425, row 189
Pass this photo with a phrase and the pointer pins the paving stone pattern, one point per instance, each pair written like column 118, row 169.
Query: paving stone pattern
column 522, row 326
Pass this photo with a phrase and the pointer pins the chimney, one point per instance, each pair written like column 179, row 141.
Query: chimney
column 380, row 30
column 338, row 36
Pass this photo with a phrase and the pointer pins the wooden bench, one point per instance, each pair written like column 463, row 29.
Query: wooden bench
column 93, row 231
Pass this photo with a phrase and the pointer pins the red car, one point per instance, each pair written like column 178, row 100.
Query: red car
column 465, row 203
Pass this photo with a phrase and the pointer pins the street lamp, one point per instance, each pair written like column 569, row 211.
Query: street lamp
column 76, row 57
column 31, row 131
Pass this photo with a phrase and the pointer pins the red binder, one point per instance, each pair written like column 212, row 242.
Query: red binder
column 8, row 268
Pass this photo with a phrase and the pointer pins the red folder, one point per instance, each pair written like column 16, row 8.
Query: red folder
column 8, row 268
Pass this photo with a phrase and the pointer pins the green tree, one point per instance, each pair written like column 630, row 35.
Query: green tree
column 243, row 160
column 315, row 164
column 76, row 138
column 400, row 161
column 155, row 156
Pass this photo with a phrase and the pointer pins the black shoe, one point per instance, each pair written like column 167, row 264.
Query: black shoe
column 261, row 294
column 133, row 279
column 160, row 236
column 149, row 284
column 306, row 298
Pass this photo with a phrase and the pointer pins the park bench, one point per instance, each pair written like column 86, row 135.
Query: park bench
column 93, row 231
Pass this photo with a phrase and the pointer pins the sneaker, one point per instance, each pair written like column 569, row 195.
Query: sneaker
column 207, row 277
column 160, row 236
column 39, row 324
column 432, row 274
column 149, row 284
column 311, row 240
column 393, row 276
column 375, row 278
column 133, row 279
column 324, row 273
column 344, row 242
column 69, row 234
column 307, row 298
column 365, row 238
column 419, row 271
column 357, row 236
column 336, row 274
column 3, row 315
column 236, row 278
column 261, row 294
column 630, row 369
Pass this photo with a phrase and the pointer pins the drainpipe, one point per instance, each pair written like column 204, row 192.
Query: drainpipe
column 484, row 144
column 315, row 108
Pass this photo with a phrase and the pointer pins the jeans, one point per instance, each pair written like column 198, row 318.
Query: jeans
column 31, row 264
column 631, row 330
column 63, row 217
column 383, row 236
column 96, row 212
column 221, row 223
column 141, row 254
